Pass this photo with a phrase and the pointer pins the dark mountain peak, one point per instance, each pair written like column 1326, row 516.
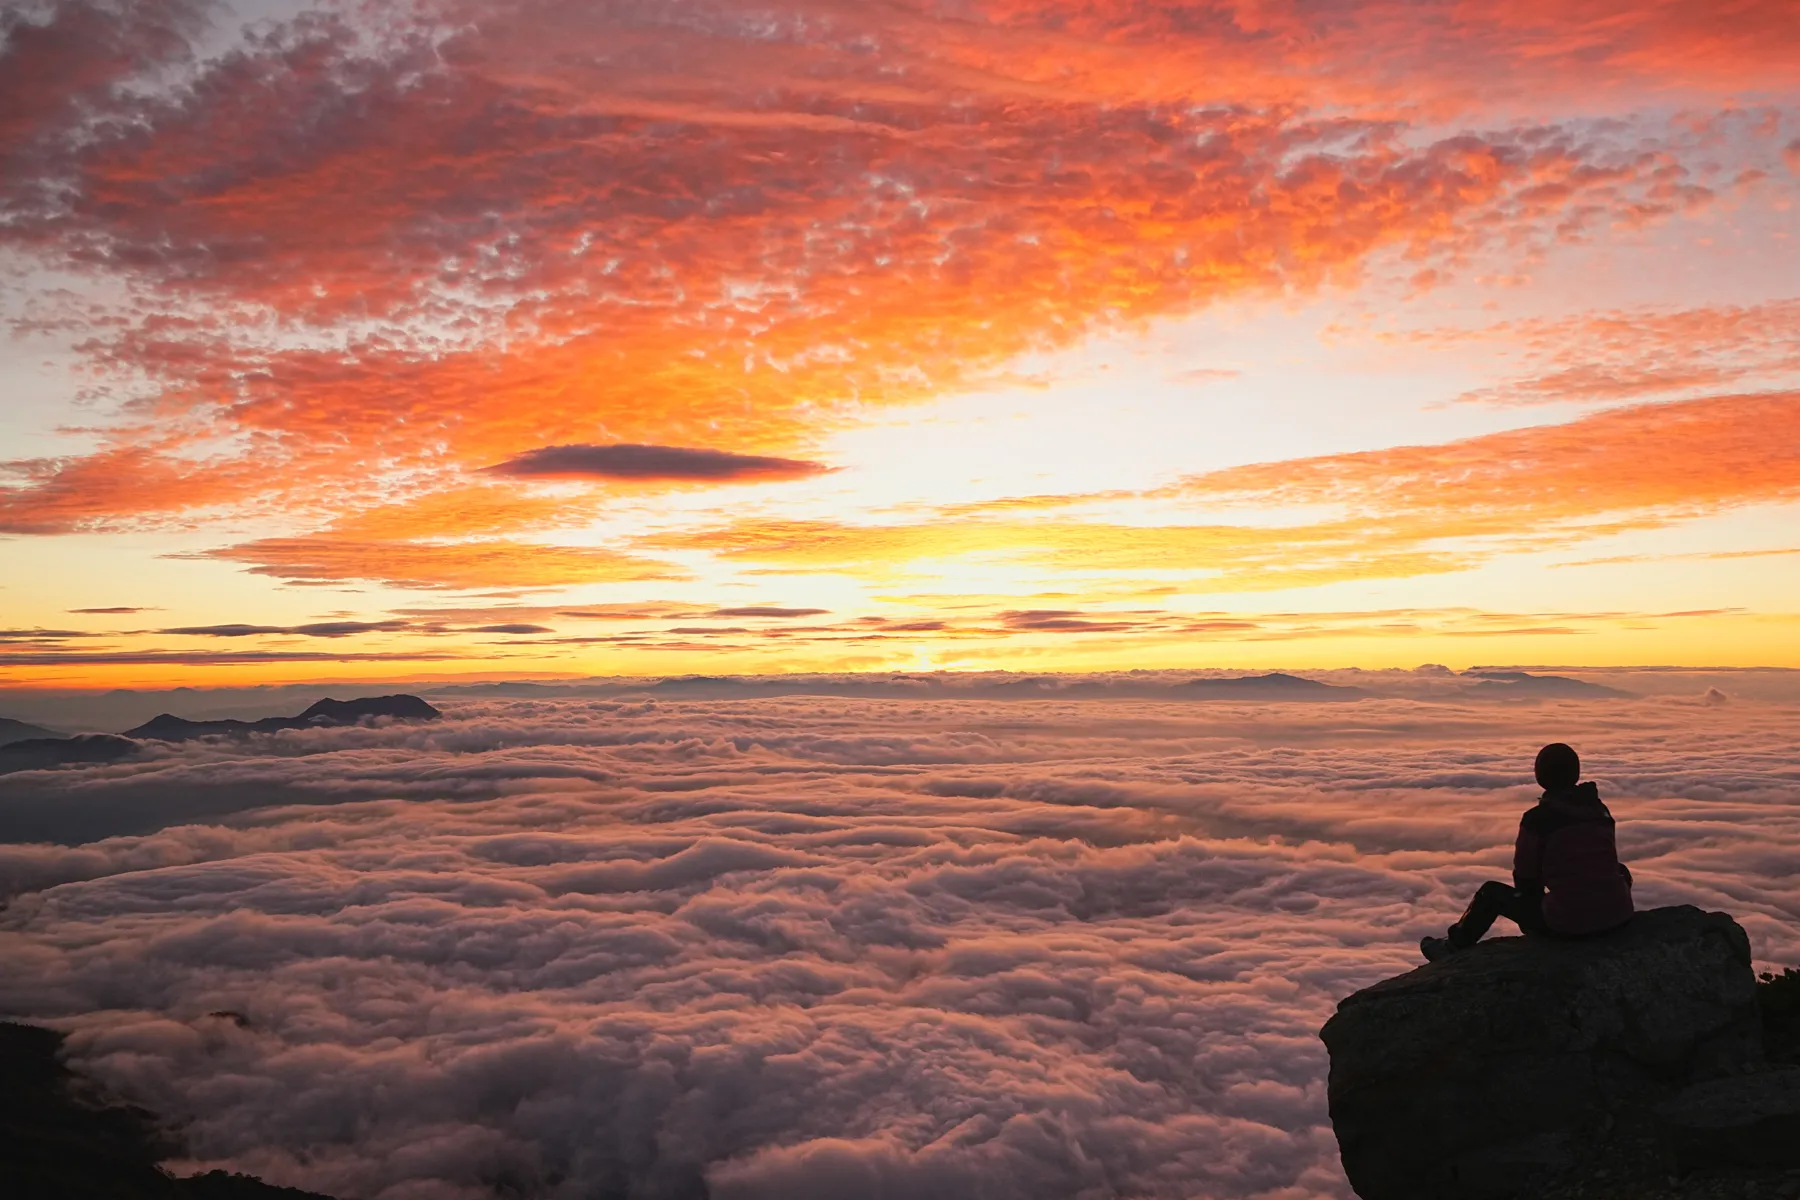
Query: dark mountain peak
column 349, row 712
column 1274, row 685
column 680, row 682
column 40, row 754
column 18, row 731
column 1547, row 687
column 327, row 713
column 167, row 727
column 1283, row 679
column 164, row 725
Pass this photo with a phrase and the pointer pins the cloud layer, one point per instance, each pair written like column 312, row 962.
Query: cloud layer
column 806, row 947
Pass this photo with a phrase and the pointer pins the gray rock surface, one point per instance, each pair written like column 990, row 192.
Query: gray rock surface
column 1741, row 1121
column 1494, row 1071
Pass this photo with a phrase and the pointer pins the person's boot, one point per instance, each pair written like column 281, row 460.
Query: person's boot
column 1434, row 948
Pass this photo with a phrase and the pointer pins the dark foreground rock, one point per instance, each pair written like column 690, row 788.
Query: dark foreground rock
column 60, row 1140
column 1496, row 1072
column 1739, row 1121
column 1779, row 996
column 1735, row 1184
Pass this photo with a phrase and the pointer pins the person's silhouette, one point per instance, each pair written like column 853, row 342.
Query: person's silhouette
column 1567, row 877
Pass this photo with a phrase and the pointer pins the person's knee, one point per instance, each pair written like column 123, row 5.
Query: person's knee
column 1494, row 892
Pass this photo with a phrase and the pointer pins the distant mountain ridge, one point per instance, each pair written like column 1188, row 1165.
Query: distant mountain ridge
column 19, row 731
column 42, row 753
column 1539, row 687
column 29, row 747
column 1276, row 685
column 37, row 754
column 326, row 714
column 1477, row 683
column 1273, row 686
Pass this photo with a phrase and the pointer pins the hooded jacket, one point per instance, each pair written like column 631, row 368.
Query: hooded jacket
column 1567, row 854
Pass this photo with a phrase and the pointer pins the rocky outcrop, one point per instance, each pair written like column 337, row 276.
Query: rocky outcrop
column 60, row 1139
column 1739, row 1121
column 1779, row 996
column 1493, row 1072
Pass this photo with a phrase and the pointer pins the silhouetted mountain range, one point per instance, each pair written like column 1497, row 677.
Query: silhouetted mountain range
column 326, row 713
column 1483, row 683
column 1274, row 686
column 40, row 753
column 19, row 731
column 60, row 1139
column 1507, row 684
column 28, row 747
column 37, row 754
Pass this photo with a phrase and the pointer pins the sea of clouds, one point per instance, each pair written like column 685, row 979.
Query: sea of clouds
column 810, row 948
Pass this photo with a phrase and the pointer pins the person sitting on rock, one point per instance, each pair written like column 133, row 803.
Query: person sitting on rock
column 1567, row 877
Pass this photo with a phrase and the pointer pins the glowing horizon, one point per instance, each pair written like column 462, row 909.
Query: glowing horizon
column 534, row 340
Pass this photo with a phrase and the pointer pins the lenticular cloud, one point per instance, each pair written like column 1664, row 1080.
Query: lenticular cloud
column 803, row 948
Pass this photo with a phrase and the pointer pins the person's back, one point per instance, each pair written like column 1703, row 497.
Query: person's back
column 1566, row 846
column 1567, row 878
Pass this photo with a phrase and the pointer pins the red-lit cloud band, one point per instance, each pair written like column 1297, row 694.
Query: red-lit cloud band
column 363, row 258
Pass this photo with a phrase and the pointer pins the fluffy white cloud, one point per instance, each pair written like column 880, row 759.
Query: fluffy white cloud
column 811, row 948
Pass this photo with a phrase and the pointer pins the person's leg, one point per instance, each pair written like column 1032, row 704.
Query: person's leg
column 1492, row 899
column 1527, row 912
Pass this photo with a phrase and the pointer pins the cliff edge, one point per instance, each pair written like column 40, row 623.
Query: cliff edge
column 1514, row 1066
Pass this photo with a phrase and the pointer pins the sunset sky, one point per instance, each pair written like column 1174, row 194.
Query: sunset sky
column 585, row 337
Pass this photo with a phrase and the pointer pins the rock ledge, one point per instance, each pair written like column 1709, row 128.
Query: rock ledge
column 1496, row 1071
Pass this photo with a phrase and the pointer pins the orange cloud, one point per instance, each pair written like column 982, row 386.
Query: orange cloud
column 893, row 311
column 376, row 270
column 1648, row 461
column 1243, row 557
column 449, row 565
column 206, row 658
column 1526, row 489
column 470, row 511
column 60, row 61
column 365, row 268
column 1606, row 357
column 149, row 481
column 1434, row 48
